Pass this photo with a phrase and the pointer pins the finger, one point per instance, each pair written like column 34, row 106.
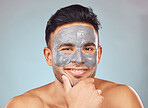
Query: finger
column 88, row 80
column 67, row 85
column 99, row 91
column 101, row 98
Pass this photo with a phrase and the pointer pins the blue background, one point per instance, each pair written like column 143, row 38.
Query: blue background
column 123, row 38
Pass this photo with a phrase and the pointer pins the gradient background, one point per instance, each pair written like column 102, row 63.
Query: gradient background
column 123, row 38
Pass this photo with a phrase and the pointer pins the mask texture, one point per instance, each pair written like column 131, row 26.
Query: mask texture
column 77, row 35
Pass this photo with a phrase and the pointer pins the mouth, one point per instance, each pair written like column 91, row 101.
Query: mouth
column 76, row 71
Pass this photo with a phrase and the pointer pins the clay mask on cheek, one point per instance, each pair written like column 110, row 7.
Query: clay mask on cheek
column 77, row 35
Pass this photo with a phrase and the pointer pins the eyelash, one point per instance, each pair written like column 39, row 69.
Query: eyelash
column 66, row 49
column 85, row 49
column 88, row 48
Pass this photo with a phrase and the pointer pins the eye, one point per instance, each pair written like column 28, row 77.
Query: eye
column 88, row 49
column 67, row 49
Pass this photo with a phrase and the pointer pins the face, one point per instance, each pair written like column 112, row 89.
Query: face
column 75, row 52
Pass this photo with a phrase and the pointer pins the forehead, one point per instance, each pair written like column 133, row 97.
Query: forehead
column 77, row 34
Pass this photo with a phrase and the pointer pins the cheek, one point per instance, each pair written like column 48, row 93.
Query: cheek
column 90, row 60
column 58, row 71
column 61, row 58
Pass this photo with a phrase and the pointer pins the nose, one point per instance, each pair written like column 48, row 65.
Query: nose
column 77, row 56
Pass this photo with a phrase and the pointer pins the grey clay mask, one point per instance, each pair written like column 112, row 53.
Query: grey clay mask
column 77, row 35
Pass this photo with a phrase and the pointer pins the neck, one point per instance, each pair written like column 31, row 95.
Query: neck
column 59, row 94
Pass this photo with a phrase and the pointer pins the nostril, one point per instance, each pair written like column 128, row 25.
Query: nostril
column 78, row 64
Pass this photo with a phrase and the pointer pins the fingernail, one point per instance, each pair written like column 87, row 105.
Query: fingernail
column 99, row 92
column 63, row 77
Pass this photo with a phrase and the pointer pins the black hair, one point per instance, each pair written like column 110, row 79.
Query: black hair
column 70, row 14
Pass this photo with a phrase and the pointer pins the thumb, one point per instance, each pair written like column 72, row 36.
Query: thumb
column 67, row 85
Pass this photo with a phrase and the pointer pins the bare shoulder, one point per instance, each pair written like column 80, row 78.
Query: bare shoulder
column 34, row 98
column 119, row 95
column 25, row 101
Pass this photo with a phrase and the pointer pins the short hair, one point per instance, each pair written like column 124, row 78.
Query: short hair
column 70, row 14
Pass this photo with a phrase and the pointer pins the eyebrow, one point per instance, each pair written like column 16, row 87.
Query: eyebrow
column 89, row 44
column 66, row 44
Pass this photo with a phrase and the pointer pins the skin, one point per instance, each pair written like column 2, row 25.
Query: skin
column 75, row 48
column 83, row 95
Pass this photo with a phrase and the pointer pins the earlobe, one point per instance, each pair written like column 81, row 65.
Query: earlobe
column 48, row 56
column 99, row 53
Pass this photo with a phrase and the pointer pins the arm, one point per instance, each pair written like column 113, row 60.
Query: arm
column 25, row 102
column 125, row 97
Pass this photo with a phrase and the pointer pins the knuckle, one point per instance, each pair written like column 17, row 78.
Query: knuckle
column 100, row 99
column 89, row 80
column 92, row 86
column 82, row 82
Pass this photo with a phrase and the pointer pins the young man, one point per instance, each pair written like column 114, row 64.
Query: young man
column 74, row 52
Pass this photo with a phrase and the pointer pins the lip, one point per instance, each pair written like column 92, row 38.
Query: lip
column 77, row 71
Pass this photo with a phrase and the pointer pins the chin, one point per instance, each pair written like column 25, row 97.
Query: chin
column 76, row 79
column 74, row 75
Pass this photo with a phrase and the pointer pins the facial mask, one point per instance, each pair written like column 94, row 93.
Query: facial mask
column 77, row 35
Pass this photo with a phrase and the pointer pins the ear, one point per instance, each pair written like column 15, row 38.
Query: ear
column 99, row 53
column 48, row 55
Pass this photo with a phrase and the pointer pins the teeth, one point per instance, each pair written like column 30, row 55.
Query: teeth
column 77, row 70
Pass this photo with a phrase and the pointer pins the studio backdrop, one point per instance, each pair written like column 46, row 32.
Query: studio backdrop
column 124, row 37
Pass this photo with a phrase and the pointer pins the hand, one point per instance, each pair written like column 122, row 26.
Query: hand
column 83, row 94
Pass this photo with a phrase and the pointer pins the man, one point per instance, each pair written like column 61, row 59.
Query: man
column 74, row 52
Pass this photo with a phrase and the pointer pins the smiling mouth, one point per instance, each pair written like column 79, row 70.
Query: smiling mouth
column 77, row 71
